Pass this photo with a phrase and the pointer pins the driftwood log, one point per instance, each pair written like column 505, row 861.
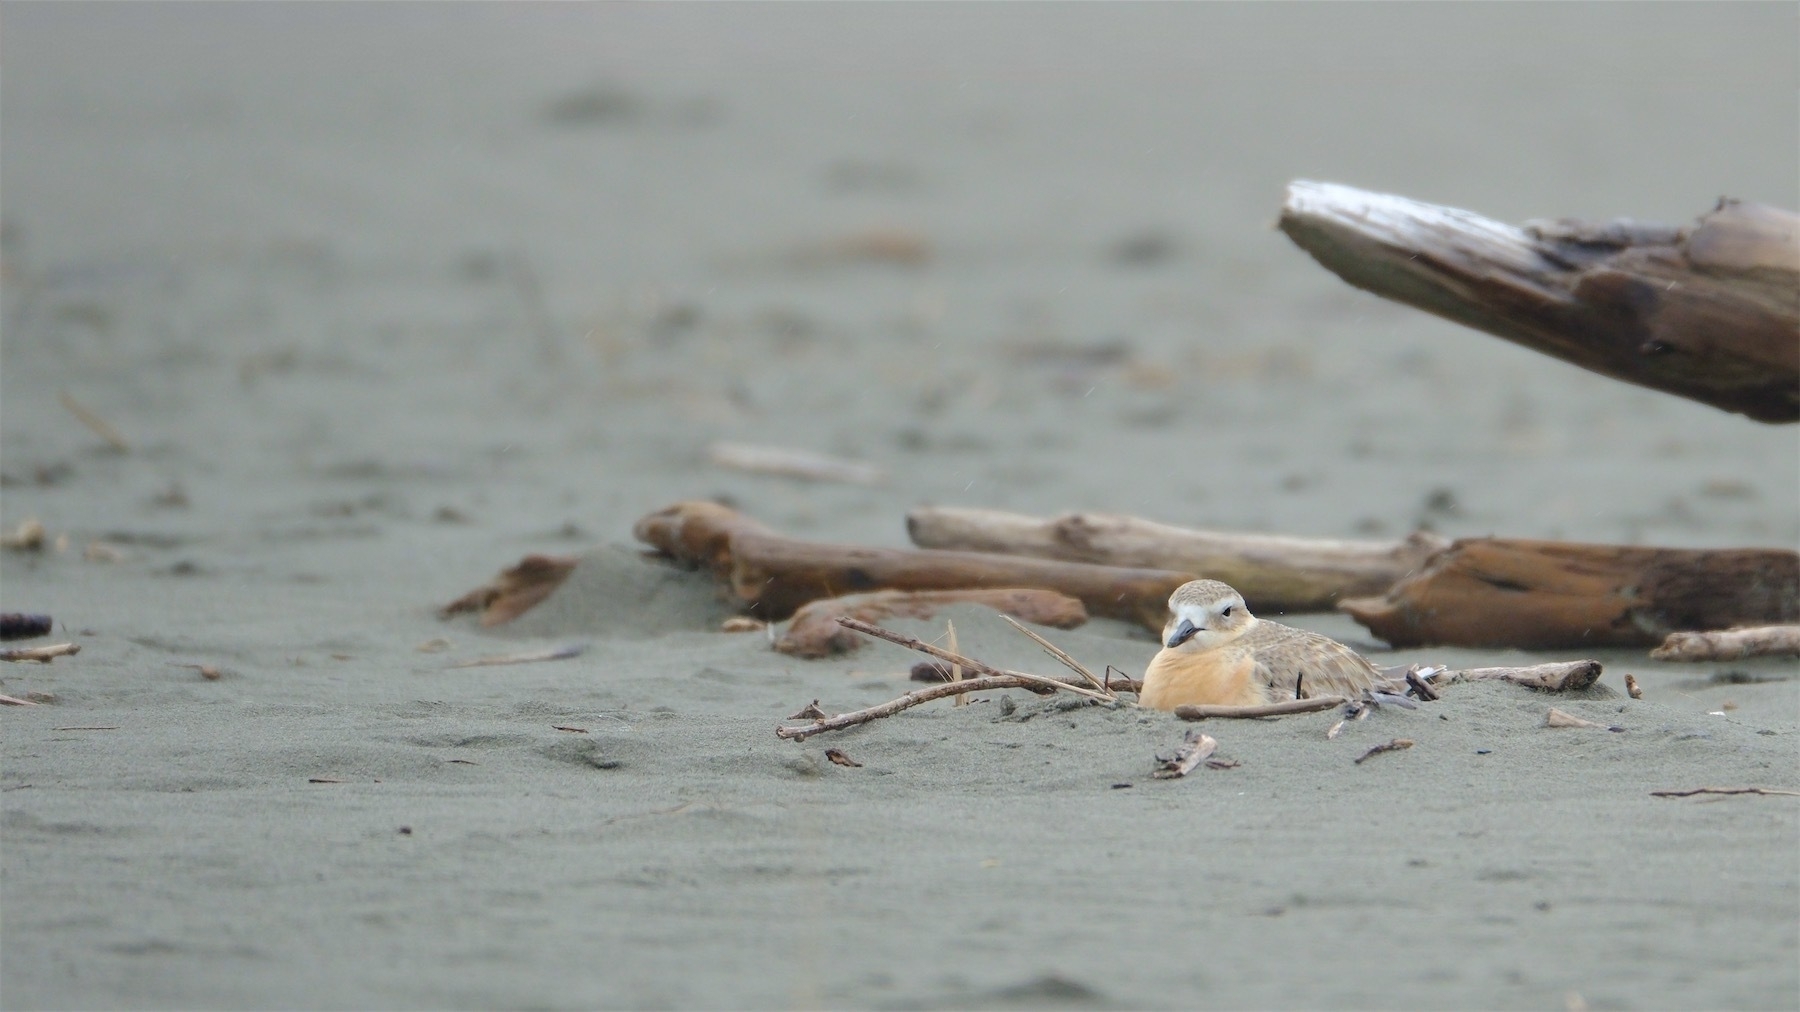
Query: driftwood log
column 1275, row 574
column 1708, row 312
column 1731, row 644
column 772, row 575
column 816, row 631
column 1494, row 592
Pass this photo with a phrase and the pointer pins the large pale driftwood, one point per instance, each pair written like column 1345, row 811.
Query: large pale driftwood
column 1495, row 592
column 1731, row 644
column 1275, row 574
column 1557, row 676
column 816, row 632
column 1710, row 311
column 773, row 575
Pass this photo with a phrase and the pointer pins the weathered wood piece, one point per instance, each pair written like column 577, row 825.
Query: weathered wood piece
column 815, row 631
column 1730, row 644
column 1557, row 676
column 1709, row 312
column 774, row 575
column 515, row 591
column 1196, row 748
column 1274, row 573
column 1534, row 595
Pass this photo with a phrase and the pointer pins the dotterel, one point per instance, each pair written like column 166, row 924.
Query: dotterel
column 1216, row 653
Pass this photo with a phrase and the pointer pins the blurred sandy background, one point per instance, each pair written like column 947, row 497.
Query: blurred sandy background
column 384, row 297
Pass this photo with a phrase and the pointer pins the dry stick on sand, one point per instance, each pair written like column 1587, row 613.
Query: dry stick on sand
column 1275, row 573
column 97, row 425
column 1723, row 790
column 906, row 702
column 1057, row 652
column 40, row 655
column 528, row 657
column 1398, row 744
column 1730, row 644
column 1195, row 749
column 15, row 701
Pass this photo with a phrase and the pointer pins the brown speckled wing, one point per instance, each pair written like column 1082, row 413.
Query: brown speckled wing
column 1287, row 658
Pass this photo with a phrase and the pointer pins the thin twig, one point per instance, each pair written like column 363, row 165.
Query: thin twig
column 1396, row 745
column 1723, row 790
column 1198, row 712
column 914, row 643
column 99, row 426
column 1057, row 652
column 906, row 702
column 552, row 654
column 15, row 701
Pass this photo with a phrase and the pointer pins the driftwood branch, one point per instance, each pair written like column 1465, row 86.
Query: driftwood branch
column 1731, row 644
column 774, row 575
column 815, row 631
column 1495, row 592
column 1708, row 312
column 1558, row 676
column 1198, row 712
column 40, row 655
column 1274, row 573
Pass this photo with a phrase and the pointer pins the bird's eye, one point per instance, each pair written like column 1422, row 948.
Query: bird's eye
column 1226, row 613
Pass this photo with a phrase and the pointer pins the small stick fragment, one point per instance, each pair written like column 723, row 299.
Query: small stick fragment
column 1196, row 748
column 1730, row 644
column 528, row 657
column 17, row 626
column 1421, row 687
column 1723, row 790
column 1557, row 718
column 97, row 425
column 1335, row 730
column 15, row 701
column 1222, row 764
column 1631, row 687
column 571, row 730
column 1286, row 706
column 516, row 590
column 840, row 758
column 792, row 463
column 1398, row 744
column 40, row 655
column 207, row 671
column 96, row 727
column 810, row 711
column 329, row 780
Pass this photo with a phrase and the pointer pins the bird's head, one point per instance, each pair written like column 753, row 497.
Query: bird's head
column 1205, row 614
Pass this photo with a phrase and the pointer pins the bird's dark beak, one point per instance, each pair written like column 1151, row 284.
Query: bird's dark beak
column 1184, row 631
